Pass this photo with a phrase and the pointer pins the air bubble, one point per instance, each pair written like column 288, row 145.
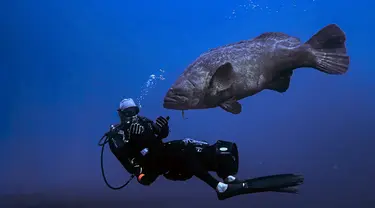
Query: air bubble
column 277, row 7
column 148, row 85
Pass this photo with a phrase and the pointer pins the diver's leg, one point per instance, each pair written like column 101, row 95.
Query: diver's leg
column 232, row 180
column 209, row 179
column 226, row 159
column 196, row 167
column 225, row 190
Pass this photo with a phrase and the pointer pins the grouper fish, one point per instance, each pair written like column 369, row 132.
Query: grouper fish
column 224, row 75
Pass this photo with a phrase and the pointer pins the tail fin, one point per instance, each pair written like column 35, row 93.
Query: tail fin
column 329, row 51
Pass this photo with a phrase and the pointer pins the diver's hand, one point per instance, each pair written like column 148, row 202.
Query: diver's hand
column 113, row 131
column 161, row 127
column 136, row 128
column 161, row 122
column 137, row 169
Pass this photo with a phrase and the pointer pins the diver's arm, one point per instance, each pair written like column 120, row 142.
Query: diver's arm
column 161, row 127
column 130, row 166
column 120, row 146
column 145, row 178
column 113, row 130
column 160, row 132
column 123, row 154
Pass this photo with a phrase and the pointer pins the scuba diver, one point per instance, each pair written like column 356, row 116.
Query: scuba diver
column 137, row 142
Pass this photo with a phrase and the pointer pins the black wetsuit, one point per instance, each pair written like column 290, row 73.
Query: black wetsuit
column 147, row 157
column 130, row 149
column 154, row 157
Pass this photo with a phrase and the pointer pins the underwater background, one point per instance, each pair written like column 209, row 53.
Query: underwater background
column 66, row 65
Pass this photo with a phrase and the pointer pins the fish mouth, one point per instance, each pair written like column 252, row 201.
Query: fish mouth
column 173, row 104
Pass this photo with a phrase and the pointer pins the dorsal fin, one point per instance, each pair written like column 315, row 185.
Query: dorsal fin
column 278, row 36
column 273, row 36
column 224, row 46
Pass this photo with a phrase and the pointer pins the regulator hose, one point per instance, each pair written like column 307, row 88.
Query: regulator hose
column 102, row 142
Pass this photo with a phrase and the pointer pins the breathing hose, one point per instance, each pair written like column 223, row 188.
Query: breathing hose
column 102, row 142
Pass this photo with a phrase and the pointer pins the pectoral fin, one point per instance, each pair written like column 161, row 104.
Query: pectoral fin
column 232, row 106
column 281, row 84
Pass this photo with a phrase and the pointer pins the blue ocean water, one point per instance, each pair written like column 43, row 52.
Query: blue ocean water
column 65, row 66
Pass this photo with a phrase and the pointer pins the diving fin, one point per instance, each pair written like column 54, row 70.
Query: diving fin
column 284, row 183
column 291, row 190
column 274, row 182
column 232, row 106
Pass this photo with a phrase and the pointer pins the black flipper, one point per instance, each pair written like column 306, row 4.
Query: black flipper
column 329, row 50
column 273, row 182
column 285, row 183
column 282, row 83
column 291, row 190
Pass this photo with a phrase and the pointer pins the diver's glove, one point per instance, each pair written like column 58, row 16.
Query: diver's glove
column 113, row 131
column 136, row 128
column 161, row 122
column 161, row 127
column 137, row 169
